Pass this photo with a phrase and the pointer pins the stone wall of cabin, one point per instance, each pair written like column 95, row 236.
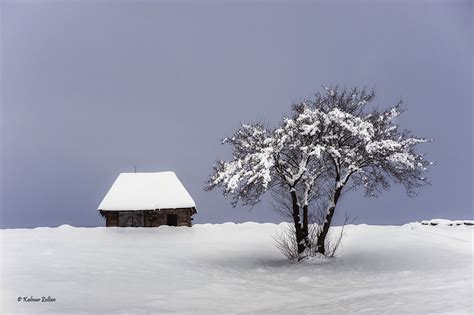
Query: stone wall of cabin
column 149, row 218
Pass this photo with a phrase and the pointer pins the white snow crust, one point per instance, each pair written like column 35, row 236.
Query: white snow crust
column 147, row 191
column 234, row 268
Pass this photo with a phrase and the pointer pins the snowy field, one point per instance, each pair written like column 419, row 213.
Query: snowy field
column 234, row 268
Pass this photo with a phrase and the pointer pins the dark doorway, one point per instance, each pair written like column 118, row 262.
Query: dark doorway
column 172, row 219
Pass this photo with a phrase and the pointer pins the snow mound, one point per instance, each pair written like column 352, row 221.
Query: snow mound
column 234, row 268
column 65, row 226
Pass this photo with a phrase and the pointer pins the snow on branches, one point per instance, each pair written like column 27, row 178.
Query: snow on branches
column 335, row 132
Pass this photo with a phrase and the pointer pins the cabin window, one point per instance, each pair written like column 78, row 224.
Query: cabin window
column 133, row 219
column 172, row 219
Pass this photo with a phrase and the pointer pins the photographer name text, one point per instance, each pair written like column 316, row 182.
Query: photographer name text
column 35, row 299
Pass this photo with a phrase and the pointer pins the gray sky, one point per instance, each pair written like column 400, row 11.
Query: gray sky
column 91, row 88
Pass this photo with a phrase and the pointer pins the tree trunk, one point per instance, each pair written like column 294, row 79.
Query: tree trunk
column 296, row 219
column 327, row 222
column 305, row 225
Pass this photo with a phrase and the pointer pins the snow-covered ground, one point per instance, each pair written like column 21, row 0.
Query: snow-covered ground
column 234, row 268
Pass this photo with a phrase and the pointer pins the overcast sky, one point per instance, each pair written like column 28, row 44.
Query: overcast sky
column 90, row 89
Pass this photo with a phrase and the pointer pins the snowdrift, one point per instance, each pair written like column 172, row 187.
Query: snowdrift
column 234, row 268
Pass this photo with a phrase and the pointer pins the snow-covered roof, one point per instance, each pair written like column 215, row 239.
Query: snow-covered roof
column 147, row 191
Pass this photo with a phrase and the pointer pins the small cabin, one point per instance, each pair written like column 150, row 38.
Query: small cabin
column 147, row 200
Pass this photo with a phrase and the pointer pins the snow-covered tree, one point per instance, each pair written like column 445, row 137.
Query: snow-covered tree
column 331, row 144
